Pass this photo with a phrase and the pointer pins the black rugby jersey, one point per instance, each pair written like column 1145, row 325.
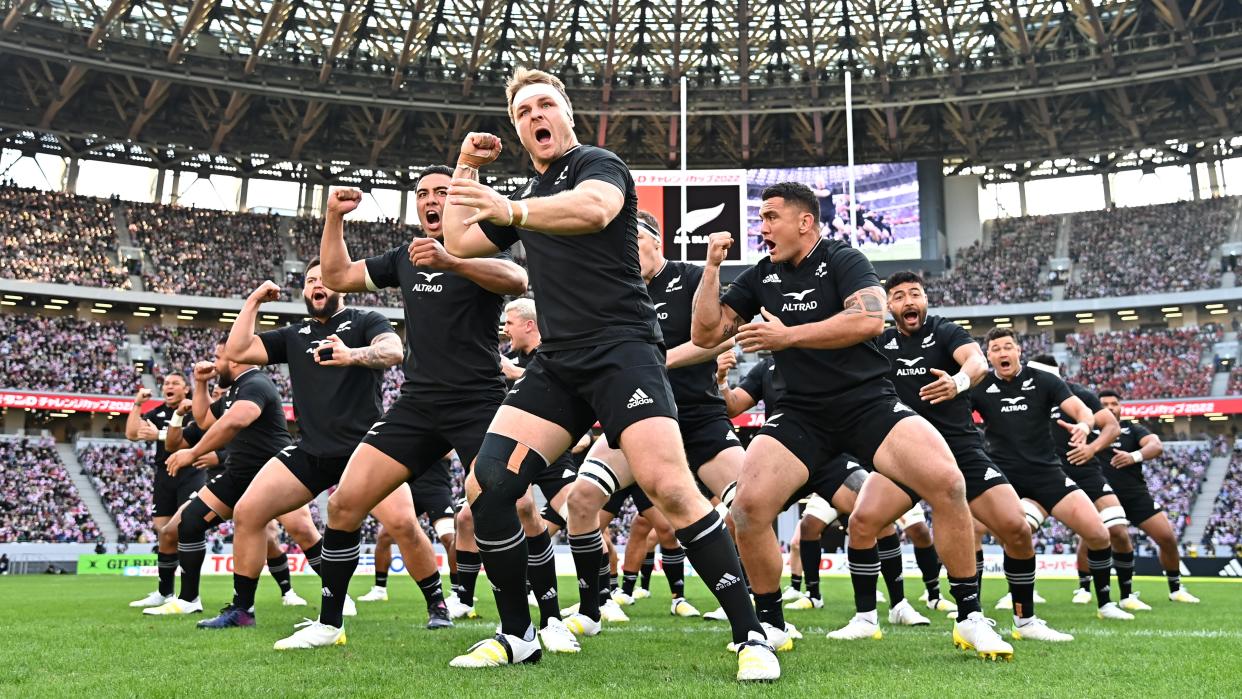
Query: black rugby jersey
column 1060, row 436
column 672, row 292
column 451, row 326
column 335, row 405
column 811, row 291
column 764, row 383
column 590, row 289
column 913, row 357
column 159, row 416
column 259, row 441
column 1132, row 434
column 1016, row 416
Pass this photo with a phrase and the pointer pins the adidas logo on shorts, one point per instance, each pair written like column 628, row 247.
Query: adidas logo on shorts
column 639, row 398
column 728, row 579
column 1069, row 482
column 991, row 474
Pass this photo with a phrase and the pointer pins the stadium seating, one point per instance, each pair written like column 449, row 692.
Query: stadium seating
column 62, row 353
column 182, row 346
column 1224, row 529
column 1145, row 363
column 1175, row 479
column 58, row 237
column 1007, row 271
column 1149, row 249
column 204, row 252
column 364, row 239
column 38, row 501
column 122, row 474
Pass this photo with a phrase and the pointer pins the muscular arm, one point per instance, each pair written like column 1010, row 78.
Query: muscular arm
column 174, row 439
column 495, row 275
column 340, row 273
column 712, row 322
column 585, row 209
column 202, row 405
column 688, row 354
column 861, row 320
column 972, row 361
column 243, row 346
column 234, row 420
column 737, row 400
column 1151, row 447
column 133, row 421
column 384, row 351
column 1106, row 422
column 462, row 239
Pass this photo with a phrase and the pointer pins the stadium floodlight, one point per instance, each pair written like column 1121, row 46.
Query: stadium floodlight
column 1170, row 309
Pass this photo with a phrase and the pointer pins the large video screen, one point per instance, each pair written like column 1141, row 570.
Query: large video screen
column 883, row 222
column 715, row 201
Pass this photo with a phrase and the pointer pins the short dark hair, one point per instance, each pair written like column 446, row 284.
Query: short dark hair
column 1109, row 393
column 313, row 263
column 433, row 170
column 1045, row 359
column 794, row 193
column 178, row 375
column 998, row 333
column 903, row 277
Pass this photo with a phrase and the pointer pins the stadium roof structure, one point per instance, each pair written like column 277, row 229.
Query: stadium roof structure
column 366, row 90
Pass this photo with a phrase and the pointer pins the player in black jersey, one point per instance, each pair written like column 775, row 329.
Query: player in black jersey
column 1082, row 466
column 934, row 363
column 713, row 450
column 1014, row 401
column 830, row 492
column 250, row 420
column 167, row 493
column 1122, row 465
column 601, row 356
column 336, row 359
column 452, row 382
column 822, row 307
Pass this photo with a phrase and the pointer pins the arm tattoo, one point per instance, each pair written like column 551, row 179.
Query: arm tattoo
column 376, row 356
column 866, row 302
column 731, row 323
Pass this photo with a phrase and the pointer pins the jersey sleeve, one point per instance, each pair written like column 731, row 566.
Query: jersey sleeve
column 503, row 237
column 375, row 324
column 217, row 409
column 752, row 383
column 382, row 269
column 1138, row 432
column 852, row 271
column 257, row 391
column 742, row 295
column 1055, row 389
column 276, row 344
column 192, row 433
column 605, row 167
column 151, row 414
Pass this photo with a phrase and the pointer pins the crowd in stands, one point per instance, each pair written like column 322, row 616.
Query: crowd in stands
column 1224, row 529
column 1175, row 480
column 1235, row 380
column 122, row 474
column 204, row 252
column 182, row 346
column 1006, row 271
column 364, row 239
column 57, row 237
column 63, row 353
column 1141, row 364
column 1155, row 249
column 38, row 501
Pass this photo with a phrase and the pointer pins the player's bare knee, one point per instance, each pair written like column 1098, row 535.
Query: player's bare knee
column 1096, row 536
column 1015, row 536
column 865, row 524
column 1119, row 538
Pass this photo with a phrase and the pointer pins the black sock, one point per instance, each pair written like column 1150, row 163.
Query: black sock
column 1084, row 579
column 628, row 581
column 1174, row 577
column 673, row 561
column 278, row 567
column 541, row 571
column 612, row 581
column 588, row 551
column 505, row 559
column 864, row 571
column 710, row 549
column 433, row 589
column 929, row 566
column 340, row 554
column 314, row 556
column 1101, row 563
column 605, row 592
column 167, row 563
column 979, row 571
column 811, row 554
column 647, row 568
column 889, row 550
column 795, row 581
column 453, row 581
column 190, row 555
column 468, row 565
column 768, row 609
column 1020, row 572
column 1123, row 563
column 966, row 592
column 381, row 579
column 243, row 591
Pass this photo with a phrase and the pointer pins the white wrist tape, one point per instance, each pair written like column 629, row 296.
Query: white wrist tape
column 962, row 381
column 1137, row 455
column 1082, row 427
column 163, row 434
column 177, row 420
column 525, row 214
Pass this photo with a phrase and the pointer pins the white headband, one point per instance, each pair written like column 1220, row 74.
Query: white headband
column 540, row 89
column 1044, row 367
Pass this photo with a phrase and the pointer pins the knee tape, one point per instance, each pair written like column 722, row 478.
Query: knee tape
column 820, row 509
column 552, row 516
column 445, row 526
column 600, row 475
column 1034, row 517
column 194, row 524
column 855, row 480
column 1113, row 516
column 913, row 516
column 505, row 467
column 727, row 495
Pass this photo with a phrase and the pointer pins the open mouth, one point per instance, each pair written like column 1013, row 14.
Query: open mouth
column 1005, row 364
column 168, row 395
column 769, row 244
column 433, row 217
column 911, row 317
column 319, row 296
column 543, row 135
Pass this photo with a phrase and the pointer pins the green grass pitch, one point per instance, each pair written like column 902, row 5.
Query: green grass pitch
column 70, row 636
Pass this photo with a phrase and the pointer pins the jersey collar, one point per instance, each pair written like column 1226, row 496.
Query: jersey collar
column 809, row 254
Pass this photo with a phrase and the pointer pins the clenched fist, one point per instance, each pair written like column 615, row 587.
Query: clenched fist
column 343, row 201
column 267, row 291
column 479, row 149
column 718, row 245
